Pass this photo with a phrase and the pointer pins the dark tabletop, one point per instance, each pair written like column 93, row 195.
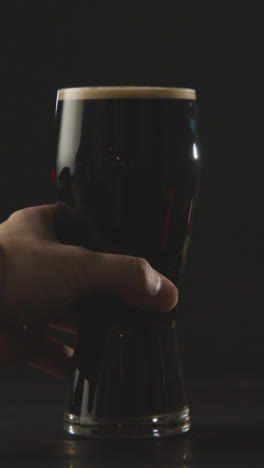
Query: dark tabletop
column 227, row 427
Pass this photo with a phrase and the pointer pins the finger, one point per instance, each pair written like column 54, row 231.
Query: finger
column 131, row 277
column 50, row 356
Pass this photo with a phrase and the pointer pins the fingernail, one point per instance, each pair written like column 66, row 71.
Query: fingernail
column 167, row 295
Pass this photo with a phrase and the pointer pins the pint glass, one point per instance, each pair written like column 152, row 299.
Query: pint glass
column 127, row 162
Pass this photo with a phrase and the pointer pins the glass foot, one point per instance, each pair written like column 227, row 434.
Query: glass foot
column 155, row 426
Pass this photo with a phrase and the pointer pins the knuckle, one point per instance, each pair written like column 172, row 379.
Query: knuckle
column 19, row 215
column 141, row 269
column 22, row 214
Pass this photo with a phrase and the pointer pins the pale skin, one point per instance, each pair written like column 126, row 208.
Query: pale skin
column 42, row 280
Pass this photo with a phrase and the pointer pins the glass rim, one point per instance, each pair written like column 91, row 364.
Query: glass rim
column 125, row 92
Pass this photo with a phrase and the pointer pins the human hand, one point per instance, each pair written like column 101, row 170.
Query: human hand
column 42, row 279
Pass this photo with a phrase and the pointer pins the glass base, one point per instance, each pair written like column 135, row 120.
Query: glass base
column 156, row 426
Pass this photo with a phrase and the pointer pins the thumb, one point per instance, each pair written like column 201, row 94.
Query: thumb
column 130, row 277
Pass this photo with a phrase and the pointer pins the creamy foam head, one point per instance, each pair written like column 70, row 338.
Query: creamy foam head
column 125, row 92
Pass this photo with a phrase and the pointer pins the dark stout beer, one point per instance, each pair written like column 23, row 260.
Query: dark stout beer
column 127, row 161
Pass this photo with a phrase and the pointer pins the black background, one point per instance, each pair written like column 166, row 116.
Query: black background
column 210, row 46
